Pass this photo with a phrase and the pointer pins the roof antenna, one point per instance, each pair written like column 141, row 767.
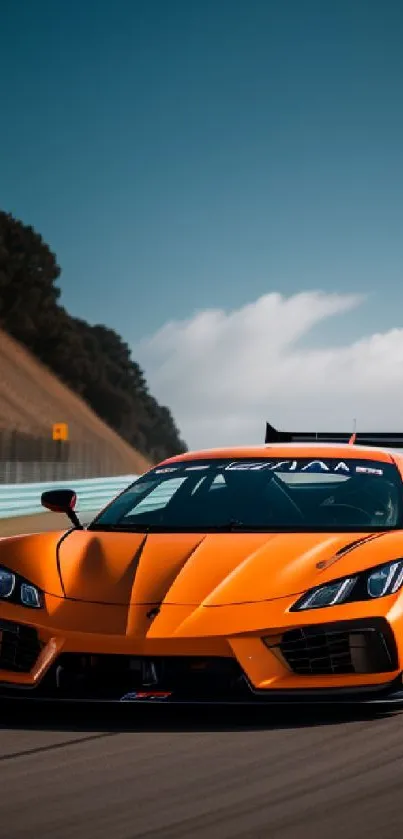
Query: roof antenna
column 354, row 434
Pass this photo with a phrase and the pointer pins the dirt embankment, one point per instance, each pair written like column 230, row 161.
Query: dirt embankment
column 32, row 399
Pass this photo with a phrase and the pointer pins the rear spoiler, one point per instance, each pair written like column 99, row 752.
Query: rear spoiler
column 362, row 438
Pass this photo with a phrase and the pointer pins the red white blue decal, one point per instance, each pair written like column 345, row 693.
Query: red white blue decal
column 144, row 695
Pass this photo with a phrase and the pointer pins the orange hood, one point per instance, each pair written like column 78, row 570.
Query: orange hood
column 213, row 569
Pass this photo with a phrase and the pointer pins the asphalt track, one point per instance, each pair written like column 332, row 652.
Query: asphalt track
column 122, row 772
column 125, row 772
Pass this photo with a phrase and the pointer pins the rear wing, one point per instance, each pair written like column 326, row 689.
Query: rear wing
column 380, row 439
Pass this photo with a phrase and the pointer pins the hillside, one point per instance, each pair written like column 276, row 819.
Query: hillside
column 92, row 360
column 32, row 399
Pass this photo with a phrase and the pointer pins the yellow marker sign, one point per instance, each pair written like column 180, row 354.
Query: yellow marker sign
column 60, row 431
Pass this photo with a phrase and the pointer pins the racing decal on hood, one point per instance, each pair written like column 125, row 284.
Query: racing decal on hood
column 326, row 563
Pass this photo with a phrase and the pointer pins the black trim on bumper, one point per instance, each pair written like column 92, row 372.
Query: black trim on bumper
column 296, row 696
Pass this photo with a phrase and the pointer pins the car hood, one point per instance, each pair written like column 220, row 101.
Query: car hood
column 213, row 569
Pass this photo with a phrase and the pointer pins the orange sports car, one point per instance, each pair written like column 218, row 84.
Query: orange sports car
column 244, row 575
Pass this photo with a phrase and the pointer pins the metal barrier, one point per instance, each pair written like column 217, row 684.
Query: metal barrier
column 26, row 459
column 92, row 495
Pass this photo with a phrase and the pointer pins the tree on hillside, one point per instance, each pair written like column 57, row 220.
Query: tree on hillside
column 28, row 272
column 93, row 361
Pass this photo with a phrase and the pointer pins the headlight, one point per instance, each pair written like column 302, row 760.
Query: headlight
column 376, row 582
column 385, row 580
column 327, row 595
column 17, row 590
column 7, row 583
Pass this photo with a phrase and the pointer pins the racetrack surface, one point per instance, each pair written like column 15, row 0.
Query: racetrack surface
column 125, row 771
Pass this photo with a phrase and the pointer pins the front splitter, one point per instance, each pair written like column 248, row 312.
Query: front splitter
column 392, row 692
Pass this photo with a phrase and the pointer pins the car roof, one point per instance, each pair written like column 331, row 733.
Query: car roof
column 314, row 450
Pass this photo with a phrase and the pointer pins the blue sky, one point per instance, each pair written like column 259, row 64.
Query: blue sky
column 192, row 155
column 184, row 154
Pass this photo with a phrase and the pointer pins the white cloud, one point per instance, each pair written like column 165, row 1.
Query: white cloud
column 224, row 373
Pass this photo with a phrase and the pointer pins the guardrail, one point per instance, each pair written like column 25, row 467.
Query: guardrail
column 92, row 495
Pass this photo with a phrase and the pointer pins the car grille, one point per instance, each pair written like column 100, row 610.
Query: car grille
column 19, row 647
column 112, row 676
column 331, row 649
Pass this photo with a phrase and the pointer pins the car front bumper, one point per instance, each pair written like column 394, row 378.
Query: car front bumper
column 76, row 650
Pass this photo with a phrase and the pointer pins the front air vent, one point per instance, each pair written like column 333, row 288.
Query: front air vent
column 339, row 649
column 19, row 647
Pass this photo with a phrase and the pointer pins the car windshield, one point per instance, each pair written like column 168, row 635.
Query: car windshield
column 299, row 495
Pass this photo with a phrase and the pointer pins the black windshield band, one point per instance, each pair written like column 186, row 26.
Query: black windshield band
column 261, row 494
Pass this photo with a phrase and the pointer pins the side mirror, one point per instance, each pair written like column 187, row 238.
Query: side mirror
column 61, row 501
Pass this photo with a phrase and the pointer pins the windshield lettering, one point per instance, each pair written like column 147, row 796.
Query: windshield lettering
column 298, row 494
